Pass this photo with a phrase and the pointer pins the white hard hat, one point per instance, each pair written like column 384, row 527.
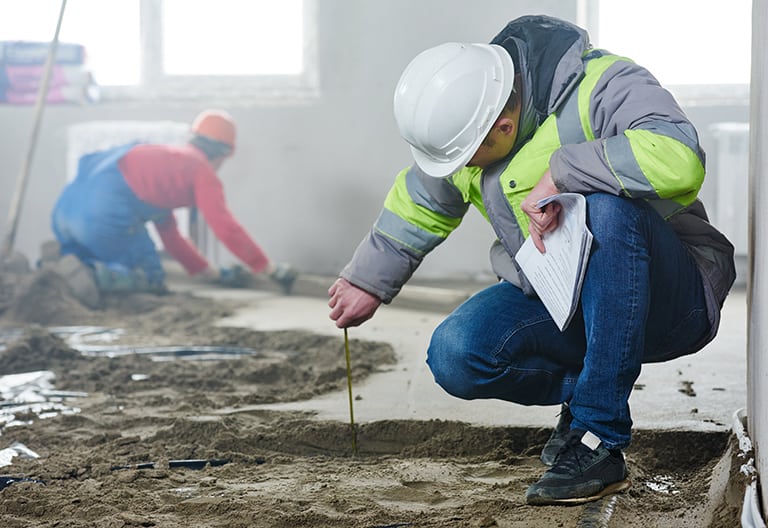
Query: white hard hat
column 447, row 100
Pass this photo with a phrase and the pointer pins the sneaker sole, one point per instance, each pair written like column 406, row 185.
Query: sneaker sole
column 615, row 487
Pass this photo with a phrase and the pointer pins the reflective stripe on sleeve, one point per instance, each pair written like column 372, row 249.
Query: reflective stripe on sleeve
column 405, row 233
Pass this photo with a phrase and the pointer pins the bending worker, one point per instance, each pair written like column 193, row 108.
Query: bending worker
column 501, row 126
column 101, row 215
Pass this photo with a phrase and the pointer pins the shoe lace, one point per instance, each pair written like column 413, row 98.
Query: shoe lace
column 564, row 420
column 569, row 458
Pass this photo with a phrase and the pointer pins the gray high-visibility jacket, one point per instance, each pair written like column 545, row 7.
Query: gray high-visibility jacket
column 599, row 123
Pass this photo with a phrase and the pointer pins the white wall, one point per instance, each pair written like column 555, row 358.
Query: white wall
column 308, row 178
column 757, row 330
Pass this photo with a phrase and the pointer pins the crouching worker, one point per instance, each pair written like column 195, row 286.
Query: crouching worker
column 101, row 215
column 501, row 126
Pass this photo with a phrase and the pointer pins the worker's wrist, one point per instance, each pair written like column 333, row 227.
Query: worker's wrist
column 210, row 273
column 270, row 268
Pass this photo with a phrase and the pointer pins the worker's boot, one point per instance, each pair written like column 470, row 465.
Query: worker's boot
column 584, row 470
column 110, row 279
column 81, row 280
column 116, row 279
column 558, row 436
column 141, row 283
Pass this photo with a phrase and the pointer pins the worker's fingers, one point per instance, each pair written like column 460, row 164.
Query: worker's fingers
column 333, row 288
column 554, row 209
column 350, row 319
column 348, row 322
column 346, row 318
column 541, row 221
column 536, row 230
column 547, row 221
column 338, row 306
column 538, row 242
column 335, row 292
column 546, row 218
column 350, row 305
column 336, row 314
column 530, row 206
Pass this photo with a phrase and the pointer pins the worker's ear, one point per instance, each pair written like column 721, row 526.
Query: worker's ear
column 506, row 125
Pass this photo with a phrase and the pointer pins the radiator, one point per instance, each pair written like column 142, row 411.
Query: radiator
column 730, row 173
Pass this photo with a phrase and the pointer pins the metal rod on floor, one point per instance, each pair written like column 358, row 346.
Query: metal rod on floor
column 349, row 390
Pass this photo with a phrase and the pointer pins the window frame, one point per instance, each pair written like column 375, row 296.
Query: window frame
column 154, row 84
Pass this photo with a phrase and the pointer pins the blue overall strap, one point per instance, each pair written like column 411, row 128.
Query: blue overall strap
column 99, row 218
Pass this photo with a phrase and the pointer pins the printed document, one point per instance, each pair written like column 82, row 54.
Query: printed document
column 558, row 274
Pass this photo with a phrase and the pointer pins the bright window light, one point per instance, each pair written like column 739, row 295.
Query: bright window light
column 109, row 30
column 682, row 42
column 211, row 38
column 233, row 37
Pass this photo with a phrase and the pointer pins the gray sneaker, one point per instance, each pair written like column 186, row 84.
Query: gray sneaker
column 584, row 471
column 557, row 438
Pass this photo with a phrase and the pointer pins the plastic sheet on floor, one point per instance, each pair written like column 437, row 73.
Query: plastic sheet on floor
column 96, row 341
column 751, row 516
column 73, row 335
column 32, row 393
column 16, row 449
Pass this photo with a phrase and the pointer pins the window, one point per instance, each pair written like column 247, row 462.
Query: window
column 181, row 49
column 699, row 49
column 194, row 46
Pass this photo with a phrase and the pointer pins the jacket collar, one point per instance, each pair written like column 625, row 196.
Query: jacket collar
column 548, row 52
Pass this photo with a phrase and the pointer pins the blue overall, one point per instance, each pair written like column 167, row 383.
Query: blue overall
column 100, row 219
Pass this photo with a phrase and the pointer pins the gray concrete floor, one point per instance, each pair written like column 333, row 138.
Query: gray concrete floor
column 700, row 392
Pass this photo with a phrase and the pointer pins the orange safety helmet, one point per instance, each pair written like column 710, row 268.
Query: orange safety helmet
column 217, row 125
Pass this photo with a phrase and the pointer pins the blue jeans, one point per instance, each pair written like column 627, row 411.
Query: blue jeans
column 642, row 301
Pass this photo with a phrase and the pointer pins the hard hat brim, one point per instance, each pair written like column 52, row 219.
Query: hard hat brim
column 441, row 169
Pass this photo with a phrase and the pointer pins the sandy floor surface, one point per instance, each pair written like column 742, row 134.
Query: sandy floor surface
column 160, row 427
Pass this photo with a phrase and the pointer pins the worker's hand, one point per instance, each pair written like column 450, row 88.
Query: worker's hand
column 284, row 275
column 350, row 305
column 209, row 274
column 545, row 219
column 234, row 277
